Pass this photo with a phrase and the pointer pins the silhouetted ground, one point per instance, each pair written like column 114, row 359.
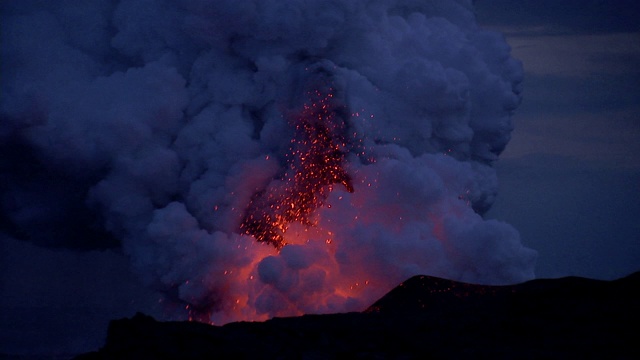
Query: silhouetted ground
column 423, row 317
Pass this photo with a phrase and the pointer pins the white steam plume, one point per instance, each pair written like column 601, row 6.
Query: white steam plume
column 163, row 120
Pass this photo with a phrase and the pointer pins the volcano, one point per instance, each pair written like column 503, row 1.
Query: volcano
column 259, row 159
column 422, row 317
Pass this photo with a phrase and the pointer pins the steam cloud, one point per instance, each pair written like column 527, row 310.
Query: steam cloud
column 150, row 125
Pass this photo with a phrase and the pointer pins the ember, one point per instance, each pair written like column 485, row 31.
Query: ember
column 314, row 165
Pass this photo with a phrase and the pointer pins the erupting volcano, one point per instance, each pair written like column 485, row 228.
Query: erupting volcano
column 254, row 158
column 314, row 165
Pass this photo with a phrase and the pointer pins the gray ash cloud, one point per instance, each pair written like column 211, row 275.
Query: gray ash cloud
column 150, row 125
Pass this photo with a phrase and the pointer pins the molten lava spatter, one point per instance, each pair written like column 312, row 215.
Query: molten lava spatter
column 314, row 164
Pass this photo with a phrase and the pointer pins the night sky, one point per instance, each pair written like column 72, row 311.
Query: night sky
column 569, row 179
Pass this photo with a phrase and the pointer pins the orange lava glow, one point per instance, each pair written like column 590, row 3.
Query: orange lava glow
column 298, row 234
column 314, row 165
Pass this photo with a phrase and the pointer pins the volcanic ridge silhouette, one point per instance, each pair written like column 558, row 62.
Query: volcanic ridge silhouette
column 423, row 316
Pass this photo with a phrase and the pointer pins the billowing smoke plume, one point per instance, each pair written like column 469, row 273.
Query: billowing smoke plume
column 178, row 130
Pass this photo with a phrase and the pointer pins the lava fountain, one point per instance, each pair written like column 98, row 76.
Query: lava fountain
column 314, row 164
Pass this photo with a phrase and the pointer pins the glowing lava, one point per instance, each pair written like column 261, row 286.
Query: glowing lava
column 314, row 164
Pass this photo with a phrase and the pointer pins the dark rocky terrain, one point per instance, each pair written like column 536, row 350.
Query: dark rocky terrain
column 424, row 317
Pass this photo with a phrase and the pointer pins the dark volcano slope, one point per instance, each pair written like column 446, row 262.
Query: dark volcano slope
column 424, row 316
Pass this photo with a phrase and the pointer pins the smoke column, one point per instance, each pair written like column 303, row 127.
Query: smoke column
column 180, row 131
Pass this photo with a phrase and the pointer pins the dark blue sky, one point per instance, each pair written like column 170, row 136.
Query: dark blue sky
column 570, row 177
